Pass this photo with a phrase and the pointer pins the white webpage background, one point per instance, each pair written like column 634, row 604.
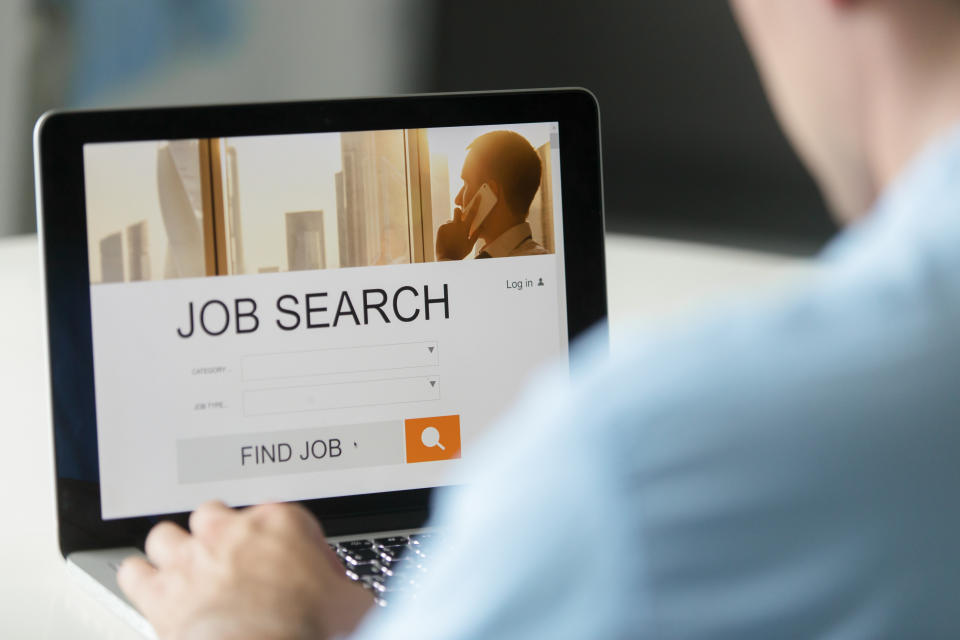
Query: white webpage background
column 146, row 392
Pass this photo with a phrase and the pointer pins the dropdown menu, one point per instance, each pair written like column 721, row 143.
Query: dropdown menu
column 341, row 395
column 301, row 364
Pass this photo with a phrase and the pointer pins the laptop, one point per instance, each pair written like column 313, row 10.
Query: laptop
column 322, row 302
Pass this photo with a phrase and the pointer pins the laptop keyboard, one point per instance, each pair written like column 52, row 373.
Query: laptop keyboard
column 386, row 566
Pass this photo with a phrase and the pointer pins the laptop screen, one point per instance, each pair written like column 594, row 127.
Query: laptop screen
column 306, row 316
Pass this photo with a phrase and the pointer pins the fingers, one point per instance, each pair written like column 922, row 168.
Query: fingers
column 333, row 560
column 208, row 520
column 285, row 516
column 458, row 215
column 471, row 212
column 288, row 518
column 136, row 578
column 314, row 528
column 165, row 543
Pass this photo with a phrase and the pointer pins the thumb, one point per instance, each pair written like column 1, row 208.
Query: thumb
column 458, row 215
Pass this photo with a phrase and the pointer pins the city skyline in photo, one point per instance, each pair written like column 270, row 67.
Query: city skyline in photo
column 289, row 202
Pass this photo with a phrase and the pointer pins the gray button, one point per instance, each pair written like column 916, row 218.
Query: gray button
column 272, row 453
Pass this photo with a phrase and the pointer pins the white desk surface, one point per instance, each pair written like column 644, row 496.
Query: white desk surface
column 647, row 279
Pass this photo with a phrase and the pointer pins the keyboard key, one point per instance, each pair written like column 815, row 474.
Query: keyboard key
column 392, row 553
column 406, row 563
column 387, row 571
column 361, row 556
column 387, row 565
column 406, row 559
column 392, row 541
column 354, row 545
column 355, row 572
column 374, row 582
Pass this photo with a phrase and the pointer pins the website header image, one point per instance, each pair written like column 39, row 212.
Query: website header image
column 161, row 210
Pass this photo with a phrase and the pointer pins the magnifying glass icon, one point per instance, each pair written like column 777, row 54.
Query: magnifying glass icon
column 430, row 437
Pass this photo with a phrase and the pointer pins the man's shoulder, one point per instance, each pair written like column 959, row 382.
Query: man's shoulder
column 786, row 444
column 829, row 344
column 529, row 247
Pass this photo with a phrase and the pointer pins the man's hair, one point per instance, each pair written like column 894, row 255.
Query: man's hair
column 513, row 162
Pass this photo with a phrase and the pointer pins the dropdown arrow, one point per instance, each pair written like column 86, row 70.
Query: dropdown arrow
column 431, row 349
column 433, row 383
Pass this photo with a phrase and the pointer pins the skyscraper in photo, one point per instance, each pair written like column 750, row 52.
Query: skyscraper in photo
column 111, row 258
column 305, row 241
column 344, row 245
column 234, row 223
column 179, row 192
column 138, row 252
column 372, row 217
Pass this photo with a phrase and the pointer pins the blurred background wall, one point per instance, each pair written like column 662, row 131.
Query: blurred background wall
column 13, row 179
column 690, row 147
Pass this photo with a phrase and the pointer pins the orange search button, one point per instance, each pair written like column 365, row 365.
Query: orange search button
column 431, row 439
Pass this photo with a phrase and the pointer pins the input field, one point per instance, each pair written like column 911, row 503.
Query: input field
column 341, row 395
column 341, row 360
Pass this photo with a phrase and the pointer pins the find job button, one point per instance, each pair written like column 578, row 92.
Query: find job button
column 328, row 448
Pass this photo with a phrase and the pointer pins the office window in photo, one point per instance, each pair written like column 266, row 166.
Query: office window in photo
column 266, row 204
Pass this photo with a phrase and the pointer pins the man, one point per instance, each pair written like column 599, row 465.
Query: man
column 787, row 469
column 509, row 165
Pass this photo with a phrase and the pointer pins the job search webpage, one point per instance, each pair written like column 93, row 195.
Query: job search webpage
column 374, row 373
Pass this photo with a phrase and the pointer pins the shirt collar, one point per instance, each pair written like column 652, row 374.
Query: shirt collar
column 508, row 241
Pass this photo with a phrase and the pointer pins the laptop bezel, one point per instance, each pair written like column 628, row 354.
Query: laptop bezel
column 59, row 140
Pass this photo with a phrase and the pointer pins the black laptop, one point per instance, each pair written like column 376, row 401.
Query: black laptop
column 323, row 302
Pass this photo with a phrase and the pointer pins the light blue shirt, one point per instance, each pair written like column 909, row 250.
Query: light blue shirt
column 789, row 468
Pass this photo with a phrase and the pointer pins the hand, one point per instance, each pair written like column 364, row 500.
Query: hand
column 454, row 241
column 263, row 572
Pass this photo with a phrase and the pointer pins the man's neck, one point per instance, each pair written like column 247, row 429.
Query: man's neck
column 912, row 89
column 497, row 227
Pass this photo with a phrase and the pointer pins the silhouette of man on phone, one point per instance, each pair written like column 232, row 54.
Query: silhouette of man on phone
column 501, row 176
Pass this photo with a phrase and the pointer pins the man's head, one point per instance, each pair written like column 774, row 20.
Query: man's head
column 859, row 85
column 510, row 166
